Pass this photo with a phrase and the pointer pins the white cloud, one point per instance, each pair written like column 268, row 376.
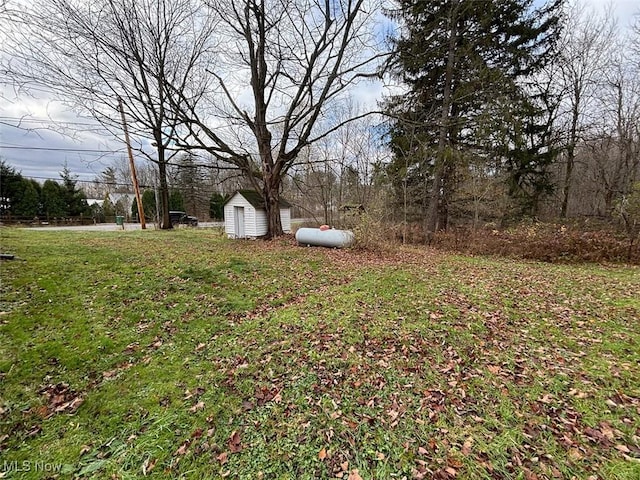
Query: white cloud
column 624, row 10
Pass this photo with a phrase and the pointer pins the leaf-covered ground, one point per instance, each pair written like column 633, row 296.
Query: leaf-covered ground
column 185, row 355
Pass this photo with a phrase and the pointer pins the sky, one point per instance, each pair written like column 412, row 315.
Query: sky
column 38, row 136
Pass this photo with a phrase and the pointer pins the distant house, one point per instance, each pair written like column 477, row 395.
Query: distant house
column 246, row 217
column 125, row 199
column 122, row 203
column 95, row 201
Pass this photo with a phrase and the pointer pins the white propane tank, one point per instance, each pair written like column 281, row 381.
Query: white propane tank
column 325, row 238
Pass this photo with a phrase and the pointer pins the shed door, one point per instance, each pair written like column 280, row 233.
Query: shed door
column 239, row 220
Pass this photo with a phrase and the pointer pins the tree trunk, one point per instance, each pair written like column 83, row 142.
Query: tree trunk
column 566, row 188
column 571, row 151
column 164, row 191
column 433, row 207
column 271, row 195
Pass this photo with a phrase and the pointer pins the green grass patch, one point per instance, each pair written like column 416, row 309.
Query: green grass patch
column 185, row 355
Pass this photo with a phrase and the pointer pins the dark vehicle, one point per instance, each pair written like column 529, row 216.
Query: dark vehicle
column 181, row 218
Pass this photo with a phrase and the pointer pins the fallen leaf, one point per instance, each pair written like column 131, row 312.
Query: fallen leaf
column 546, row 398
column 148, row 465
column 322, row 454
column 354, row 475
column 607, row 431
column 466, row 446
column 380, row 456
column 182, row 449
column 623, row 448
column 235, row 444
column 574, row 454
column 222, row 458
column 197, row 406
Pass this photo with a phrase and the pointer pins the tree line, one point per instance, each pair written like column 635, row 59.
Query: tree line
column 25, row 198
column 503, row 109
column 513, row 112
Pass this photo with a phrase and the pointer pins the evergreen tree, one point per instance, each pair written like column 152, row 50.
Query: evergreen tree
column 191, row 182
column 10, row 188
column 74, row 198
column 53, row 200
column 28, row 204
column 149, row 204
column 457, row 58
column 134, row 211
column 108, row 209
column 216, row 206
column 176, row 201
column 19, row 196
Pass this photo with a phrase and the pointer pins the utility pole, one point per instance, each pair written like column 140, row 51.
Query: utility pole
column 134, row 177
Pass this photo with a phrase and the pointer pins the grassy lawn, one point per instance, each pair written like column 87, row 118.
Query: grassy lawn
column 185, row 355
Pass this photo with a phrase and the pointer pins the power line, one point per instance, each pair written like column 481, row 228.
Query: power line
column 93, row 181
column 29, row 119
column 54, row 149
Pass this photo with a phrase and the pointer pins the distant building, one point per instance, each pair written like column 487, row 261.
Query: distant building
column 94, row 201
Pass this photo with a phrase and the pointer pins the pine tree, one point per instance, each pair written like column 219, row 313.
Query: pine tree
column 75, row 199
column 457, row 58
column 53, row 200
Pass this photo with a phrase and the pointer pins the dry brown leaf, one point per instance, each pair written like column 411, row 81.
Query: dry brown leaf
column 182, row 449
column 322, row 454
column 235, row 444
column 198, row 406
column 222, row 458
column 546, row 398
column 148, row 465
column 354, row 475
column 466, row 446
column 575, row 454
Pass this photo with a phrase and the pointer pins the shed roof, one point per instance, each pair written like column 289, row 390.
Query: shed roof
column 255, row 199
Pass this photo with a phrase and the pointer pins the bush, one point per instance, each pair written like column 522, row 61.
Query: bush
column 544, row 242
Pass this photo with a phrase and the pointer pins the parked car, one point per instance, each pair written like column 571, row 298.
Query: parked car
column 181, row 218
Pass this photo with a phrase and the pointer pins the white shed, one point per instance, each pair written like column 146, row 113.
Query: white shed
column 245, row 216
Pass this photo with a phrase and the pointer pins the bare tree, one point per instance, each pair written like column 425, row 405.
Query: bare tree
column 584, row 54
column 618, row 143
column 285, row 62
column 94, row 53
